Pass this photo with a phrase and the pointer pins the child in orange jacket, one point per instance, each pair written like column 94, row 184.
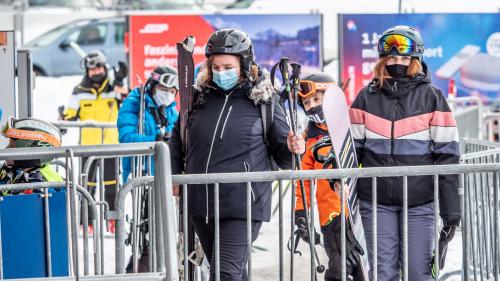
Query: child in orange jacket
column 313, row 88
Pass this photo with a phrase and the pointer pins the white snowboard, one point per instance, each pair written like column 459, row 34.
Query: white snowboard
column 336, row 114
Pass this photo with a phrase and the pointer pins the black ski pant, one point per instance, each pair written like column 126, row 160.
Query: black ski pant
column 110, row 179
column 233, row 246
column 333, row 251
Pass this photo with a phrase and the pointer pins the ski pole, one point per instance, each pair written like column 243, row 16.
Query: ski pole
column 296, row 88
column 297, row 162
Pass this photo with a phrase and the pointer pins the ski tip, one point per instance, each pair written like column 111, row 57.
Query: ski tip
column 189, row 43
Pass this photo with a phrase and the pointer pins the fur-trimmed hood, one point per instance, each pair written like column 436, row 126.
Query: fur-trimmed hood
column 261, row 91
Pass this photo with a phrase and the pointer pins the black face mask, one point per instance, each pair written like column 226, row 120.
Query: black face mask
column 98, row 78
column 316, row 115
column 397, row 70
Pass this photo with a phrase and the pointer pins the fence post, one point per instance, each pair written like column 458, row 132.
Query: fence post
column 163, row 183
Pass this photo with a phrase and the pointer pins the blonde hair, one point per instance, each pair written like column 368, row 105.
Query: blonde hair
column 207, row 74
column 380, row 72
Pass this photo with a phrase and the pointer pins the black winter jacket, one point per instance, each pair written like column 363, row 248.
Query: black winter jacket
column 225, row 134
column 407, row 122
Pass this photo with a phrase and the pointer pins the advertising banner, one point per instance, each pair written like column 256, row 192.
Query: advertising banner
column 152, row 38
column 461, row 50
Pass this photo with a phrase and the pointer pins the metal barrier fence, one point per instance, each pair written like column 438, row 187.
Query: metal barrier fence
column 481, row 245
column 374, row 173
column 166, row 268
column 479, row 187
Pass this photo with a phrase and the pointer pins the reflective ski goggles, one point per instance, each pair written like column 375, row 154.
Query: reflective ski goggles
column 94, row 62
column 13, row 130
column 308, row 88
column 405, row 46
column 167, row 80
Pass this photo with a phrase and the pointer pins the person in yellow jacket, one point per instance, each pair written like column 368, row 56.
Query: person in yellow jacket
column 29, row 132
column 318, row 149
column 97, row 98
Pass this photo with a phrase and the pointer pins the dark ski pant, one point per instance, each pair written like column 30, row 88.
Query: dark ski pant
column 390, row 240
column 332, row 249
column 233, row 246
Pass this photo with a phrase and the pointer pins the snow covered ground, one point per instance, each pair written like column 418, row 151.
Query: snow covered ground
column 52, row 92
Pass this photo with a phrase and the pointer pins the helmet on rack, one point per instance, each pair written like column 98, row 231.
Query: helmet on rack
column 401, row 40
column 32, row 132
column 232, row 42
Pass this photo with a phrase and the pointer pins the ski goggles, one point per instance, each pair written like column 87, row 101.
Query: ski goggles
column 308, row 88
column 13, row 130
column 404, row 46
column 167, row 80
column 94, row 62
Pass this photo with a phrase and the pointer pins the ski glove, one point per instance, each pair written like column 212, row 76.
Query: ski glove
column 354, row 251
column 302, row 230
column 445, row 237
column 120, row 71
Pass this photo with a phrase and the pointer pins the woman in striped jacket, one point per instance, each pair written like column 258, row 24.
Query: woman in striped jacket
column 400, row 119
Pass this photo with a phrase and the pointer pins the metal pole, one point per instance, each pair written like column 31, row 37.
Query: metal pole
column 312, row 237
column 280, row 215
column 217, row 234
column 1, row 250
column 465, row 226
column 85, row 226
column 74, row 180
column 374, row 230
column 249, row 229
column 342, row 230
column 405, row 228
column 496, row 223
column 101, row 209
column 68, row 214
column 292, row 223
column 48, row 247
column 163, row 183
column 185, row 230
column 152, row 230
column 160, row 254
column 436, row 225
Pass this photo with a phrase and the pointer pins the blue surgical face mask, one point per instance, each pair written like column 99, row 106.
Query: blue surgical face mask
column 225, row 79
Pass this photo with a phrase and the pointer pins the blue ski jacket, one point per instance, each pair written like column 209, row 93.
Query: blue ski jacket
column 128, row 124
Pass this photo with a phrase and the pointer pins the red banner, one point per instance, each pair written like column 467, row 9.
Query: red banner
column 152, row 41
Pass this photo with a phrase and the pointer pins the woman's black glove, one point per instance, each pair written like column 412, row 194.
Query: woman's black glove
column 445, row 236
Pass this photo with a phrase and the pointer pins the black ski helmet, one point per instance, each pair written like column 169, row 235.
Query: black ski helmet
column 32, row 132
column 93, row 59
column 232, row 42
column 409, row 32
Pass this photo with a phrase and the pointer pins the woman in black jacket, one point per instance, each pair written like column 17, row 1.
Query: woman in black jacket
column 225, row 134
column 400, row 119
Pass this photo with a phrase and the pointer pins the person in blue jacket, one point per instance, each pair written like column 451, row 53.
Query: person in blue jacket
column 160, row 113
